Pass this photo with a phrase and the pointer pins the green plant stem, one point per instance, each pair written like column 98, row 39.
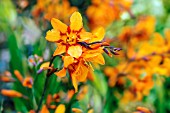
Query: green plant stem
column 43, row 94
column 46, row 83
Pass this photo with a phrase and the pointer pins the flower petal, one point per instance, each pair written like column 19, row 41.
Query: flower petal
column 74, row 81
column 10, row 93
column 28, row 82
column 61, row 73
column 18, row 75
column 44, row 109
column 58, row 25
column 45, row 65
column 60, row 109
column 92, row 53
column 77, row 110
column 75, row 51
column 84, row 36
column 98, row 34
column 90, row 75
column 60, row 49
column 76, row 21
column 90, row 111
column 167, row 35
column 68, row 60
column 81, row 72
column 53, row 35
column 97, row 58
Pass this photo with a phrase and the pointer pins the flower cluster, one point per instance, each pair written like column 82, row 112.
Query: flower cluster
column 146, row 54
column 97, row 11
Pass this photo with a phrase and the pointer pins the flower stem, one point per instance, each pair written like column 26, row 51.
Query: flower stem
column 46, row 83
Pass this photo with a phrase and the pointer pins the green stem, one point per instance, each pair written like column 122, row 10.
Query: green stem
column 45, row 84
column 1, row 106
column 43, row 94
column 161, row 99
column 34, row 101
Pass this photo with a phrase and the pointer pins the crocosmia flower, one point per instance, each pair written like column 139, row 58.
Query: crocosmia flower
column 67, row 37
column 78, row 48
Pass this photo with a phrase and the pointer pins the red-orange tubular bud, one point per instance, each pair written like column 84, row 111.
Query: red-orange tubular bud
column 11, row 93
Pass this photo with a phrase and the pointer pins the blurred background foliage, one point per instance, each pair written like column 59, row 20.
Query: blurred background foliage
column 139, row 76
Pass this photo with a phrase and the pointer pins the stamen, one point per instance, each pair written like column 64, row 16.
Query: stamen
column 94, row 43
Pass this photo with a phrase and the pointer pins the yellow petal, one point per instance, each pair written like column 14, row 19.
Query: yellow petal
column 44, row 65
column 74, row 81
column 84, row 36
column 81, row 72
column 60, row 49
column 61, row 73
column 93, row 52
column 53, row 35
column 77, row 110
column 75, row 51
column 58, row 25
column 90, row 111
column 96, row 57
column 98, row 34
column 68, row 60
column 60, row 109
column 76, row 21
column 158, row 39
column 87, row 56
column 99, row 59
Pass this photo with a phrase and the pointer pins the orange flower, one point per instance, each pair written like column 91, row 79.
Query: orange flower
column 112, row 73
column 143, row 110
column 126, row 34
column 6, row 77
column 69, row 40
column 63, row 10
column 144, row 28
column 97, row 11
column 67, row 37
column 79, row 49
column 28, row 82
column 83, row 92
column 54, row 8
column 56, row 97
column 50, row 101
